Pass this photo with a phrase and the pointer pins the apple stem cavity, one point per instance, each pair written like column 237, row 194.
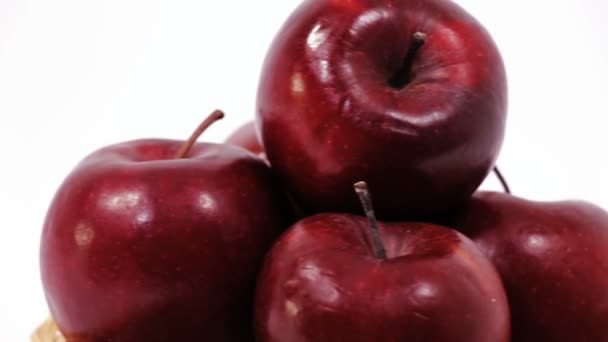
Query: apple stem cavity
column 502, row 180
column 185, row 148
column 404, row 75
column 366, row 201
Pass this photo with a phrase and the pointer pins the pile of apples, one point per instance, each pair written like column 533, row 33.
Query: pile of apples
column 277, row 239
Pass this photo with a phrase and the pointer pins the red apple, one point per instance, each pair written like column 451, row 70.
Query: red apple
column 553, row 260
column 143, row 244
column 410, row 95
column 327, row 279
column 246, row 137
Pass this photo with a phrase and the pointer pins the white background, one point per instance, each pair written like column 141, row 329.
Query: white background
column 79, row 74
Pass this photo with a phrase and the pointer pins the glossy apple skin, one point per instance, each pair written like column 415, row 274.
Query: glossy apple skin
column 246, row 137
column 320, row 283
column 138, row 246
column 328, row 116
column 553, row 260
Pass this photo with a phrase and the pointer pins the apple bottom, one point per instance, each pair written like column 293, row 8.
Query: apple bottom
column 223, row 329
column 171, row 324
column 321, row 283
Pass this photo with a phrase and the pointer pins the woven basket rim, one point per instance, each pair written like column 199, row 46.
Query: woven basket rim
column 47, row 332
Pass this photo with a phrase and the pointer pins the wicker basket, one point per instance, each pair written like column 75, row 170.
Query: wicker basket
column 47, row 332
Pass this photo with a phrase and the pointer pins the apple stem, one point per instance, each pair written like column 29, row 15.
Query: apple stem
column 403, row 76
column 366, row 201
column 501, row 179
column 185, row 148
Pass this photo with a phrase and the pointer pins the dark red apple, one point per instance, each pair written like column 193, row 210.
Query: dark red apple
column 246, row 137
column 410, row 95
column 328, row 279
column 553, row 260
column 143, row 244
